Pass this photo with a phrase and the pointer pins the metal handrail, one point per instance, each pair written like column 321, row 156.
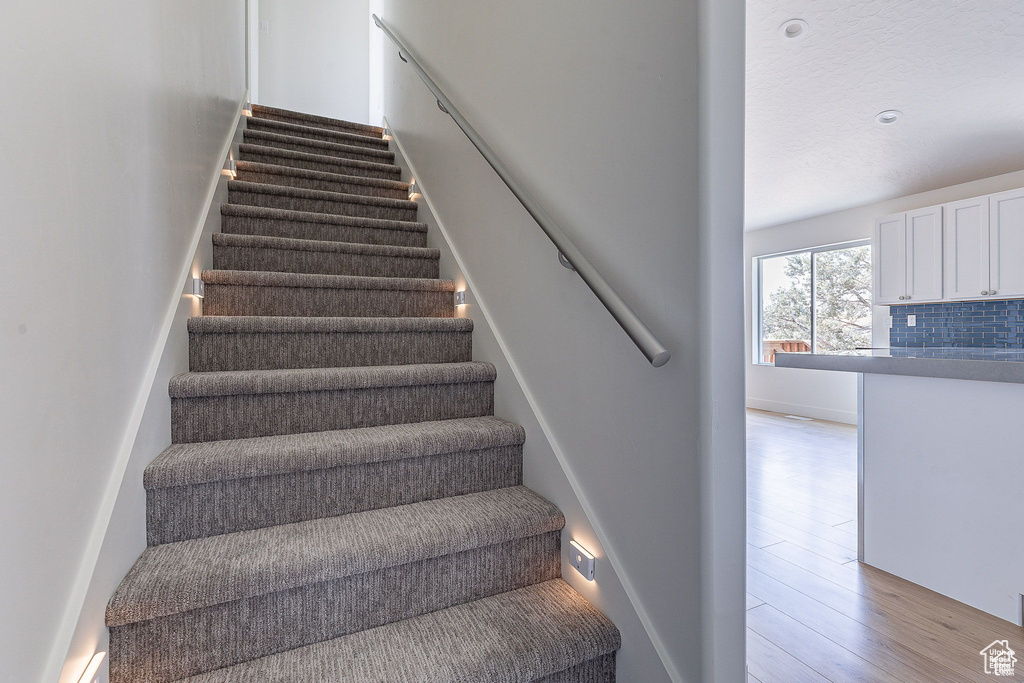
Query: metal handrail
column 569, row 254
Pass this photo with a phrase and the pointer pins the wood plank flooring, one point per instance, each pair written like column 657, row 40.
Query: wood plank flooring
column 815, row 614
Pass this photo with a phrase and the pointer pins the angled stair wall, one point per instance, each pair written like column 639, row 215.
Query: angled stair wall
column 340, row 503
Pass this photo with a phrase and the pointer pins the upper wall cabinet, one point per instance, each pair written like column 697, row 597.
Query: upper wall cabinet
column 908, row 257
column 985, row 247
column 971, row 249
column 1006, row 244
column 967, row 249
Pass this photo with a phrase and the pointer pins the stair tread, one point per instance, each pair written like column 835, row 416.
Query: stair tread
column 245, row 211
column 187, row 575
column 514, row 637
column 271, row 324
column 303, row 193
column 276, row 169
column 249, row 148
column 224, row 239
column 297, row 129
column 265, row 278
column 247, row 382
column 372, row 131
column 337, row 148
column 197, row 463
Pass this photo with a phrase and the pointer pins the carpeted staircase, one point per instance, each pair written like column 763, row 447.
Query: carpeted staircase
column 339, row 502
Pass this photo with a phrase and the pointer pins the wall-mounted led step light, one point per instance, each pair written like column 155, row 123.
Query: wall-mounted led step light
column 198, row 287
column 230, row 168
column 92, row 672
column 582, row 559
column 413, row 189
column 460, row 298
column 247, row 109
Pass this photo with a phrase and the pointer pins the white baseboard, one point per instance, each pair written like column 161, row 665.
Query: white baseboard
column 816, row 412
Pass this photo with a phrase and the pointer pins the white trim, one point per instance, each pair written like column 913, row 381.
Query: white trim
column 581, row 495
column 860, row 467
column 80, row 587
column 844, row 416
column 835, row 246
column 252, row 49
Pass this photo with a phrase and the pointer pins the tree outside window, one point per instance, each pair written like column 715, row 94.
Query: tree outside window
column 815, row 301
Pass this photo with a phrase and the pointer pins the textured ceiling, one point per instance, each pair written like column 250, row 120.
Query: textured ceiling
column 955, row 69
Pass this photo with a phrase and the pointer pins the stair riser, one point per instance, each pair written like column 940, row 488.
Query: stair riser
column 272, row 227
column 263, row 156
column 347, row 187
column 321, row 262
column 346, row 138
column 186, row 512
column 329, row 125
column 598, row 670
column 213, row 418
column 169, row 648
column 337, row 208
column 312, row 147
column 279, row 351
column 324, row 301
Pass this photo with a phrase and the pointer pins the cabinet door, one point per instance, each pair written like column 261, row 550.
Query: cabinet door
column 1006, row 244
column 924, row 254
column 889, row 259
column 966, row 272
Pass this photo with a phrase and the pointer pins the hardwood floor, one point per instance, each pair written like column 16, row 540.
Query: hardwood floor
column 814, row 613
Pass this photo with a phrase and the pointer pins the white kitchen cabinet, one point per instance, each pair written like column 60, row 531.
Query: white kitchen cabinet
column 1006, row 244
column 967, row 249
column 985, row 247
column 924, row 254
column 889, row 258
column 908, row 257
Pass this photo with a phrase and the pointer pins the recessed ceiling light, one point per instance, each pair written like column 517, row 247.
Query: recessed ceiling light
column 794, row 28
column 888, row 116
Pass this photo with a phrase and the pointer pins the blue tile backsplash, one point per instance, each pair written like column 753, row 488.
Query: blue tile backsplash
column 963, row 323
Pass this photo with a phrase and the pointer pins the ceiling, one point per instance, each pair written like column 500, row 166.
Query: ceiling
column 954, row 68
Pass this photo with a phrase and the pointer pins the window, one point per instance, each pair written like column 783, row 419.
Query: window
column 814, row 301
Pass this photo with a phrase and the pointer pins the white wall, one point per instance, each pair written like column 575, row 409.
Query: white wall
column 815, row 393
column 315, row 57
column 124, row 537
column 596, row 107
column 638, row 660
column 114, row 122
column 723, row 437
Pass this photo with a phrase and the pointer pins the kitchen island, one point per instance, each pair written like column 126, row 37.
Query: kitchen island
column 941, row 434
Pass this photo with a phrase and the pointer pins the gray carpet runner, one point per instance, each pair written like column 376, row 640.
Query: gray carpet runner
column 312, row 179
column 259, row 154
column 339, row 502
column 256, row 220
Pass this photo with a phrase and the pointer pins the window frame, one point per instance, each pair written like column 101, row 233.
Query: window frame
column 758, row 293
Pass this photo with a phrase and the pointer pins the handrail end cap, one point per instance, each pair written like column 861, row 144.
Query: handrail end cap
column 661, row 358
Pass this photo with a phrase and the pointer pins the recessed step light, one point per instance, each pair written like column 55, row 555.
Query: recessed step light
column 794, row 28
column 888, row 116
